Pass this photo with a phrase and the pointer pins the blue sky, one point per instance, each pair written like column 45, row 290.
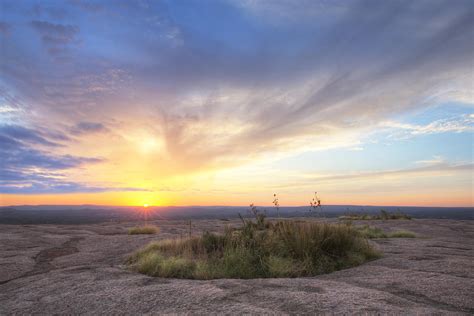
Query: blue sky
column 122, row 102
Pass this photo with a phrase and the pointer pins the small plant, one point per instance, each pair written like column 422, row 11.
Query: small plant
column 259, row 218
column 276, row 204
column 315, row 203
column 143, row 230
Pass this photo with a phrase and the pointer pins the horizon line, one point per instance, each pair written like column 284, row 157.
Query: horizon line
column 267, row 206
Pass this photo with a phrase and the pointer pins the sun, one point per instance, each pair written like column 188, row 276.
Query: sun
column 145, row 205
column 150, row 144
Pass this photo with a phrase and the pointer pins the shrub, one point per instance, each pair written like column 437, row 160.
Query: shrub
column 147, row 229
column 258, row 249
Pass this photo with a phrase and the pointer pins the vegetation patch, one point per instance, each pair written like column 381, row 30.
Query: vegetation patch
column 259, row 249
column 375, row 232
column 383, row 215
column 371, row 232
column 144, row 230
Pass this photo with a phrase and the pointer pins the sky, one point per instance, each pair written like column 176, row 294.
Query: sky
column 229, row 102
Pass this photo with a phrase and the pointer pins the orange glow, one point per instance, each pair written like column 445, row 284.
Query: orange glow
column 453, row 197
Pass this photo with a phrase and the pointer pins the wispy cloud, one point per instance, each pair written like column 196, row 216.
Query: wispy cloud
column 459, row 124
column 56, row 37
column 427, row 169
column 87, row 127
column 434, row 167
column 26, row 167
column 436, row 160
column 219, row 84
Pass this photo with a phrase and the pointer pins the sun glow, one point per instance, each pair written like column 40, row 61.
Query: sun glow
column 145, row 205
column 149, row 144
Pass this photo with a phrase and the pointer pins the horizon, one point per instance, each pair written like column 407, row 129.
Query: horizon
column 226, row 103
column 269, row 206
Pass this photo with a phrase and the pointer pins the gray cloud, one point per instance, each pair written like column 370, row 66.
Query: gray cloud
column 377, row 60
column 272, row 85
column 56, row 37
column 4, row 28
column 24, row 168
column 87, row 127
column 49, row 186
column 40, row 9
column 16, row 133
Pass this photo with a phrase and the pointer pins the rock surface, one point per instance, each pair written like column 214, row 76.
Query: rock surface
column 67, row 269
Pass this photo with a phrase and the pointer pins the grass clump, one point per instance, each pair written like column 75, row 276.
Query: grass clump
column 259, row 249
column 375, row 232
column 371, row 232
column 383, row 215
column 143, row 230
column 154, row 264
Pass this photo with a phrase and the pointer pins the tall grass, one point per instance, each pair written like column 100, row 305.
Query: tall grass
column 259, row 249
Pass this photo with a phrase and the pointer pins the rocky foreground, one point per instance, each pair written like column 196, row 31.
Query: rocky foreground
column 79, row 269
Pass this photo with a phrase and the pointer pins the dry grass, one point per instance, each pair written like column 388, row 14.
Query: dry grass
column 259, row 249
column 144, row 230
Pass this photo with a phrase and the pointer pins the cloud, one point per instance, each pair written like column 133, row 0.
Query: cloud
column 25, row 168
column 19, row 149
column 348, row 79
column 87, row 127
column 20, row 134
column 52, row 186
column 464, row 124
column 90, row 6
column 53, row 12
column 436, row 160
column 55, row 37
column 458, row 124
column 428, row 169
column 55, row 34
column 4, row 28
column 245, row 82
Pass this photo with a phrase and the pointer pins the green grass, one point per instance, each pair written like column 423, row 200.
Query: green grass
column 259, row 249
column 375, row 232
column 142, row 230
column 383, row 215
column 371, row 232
